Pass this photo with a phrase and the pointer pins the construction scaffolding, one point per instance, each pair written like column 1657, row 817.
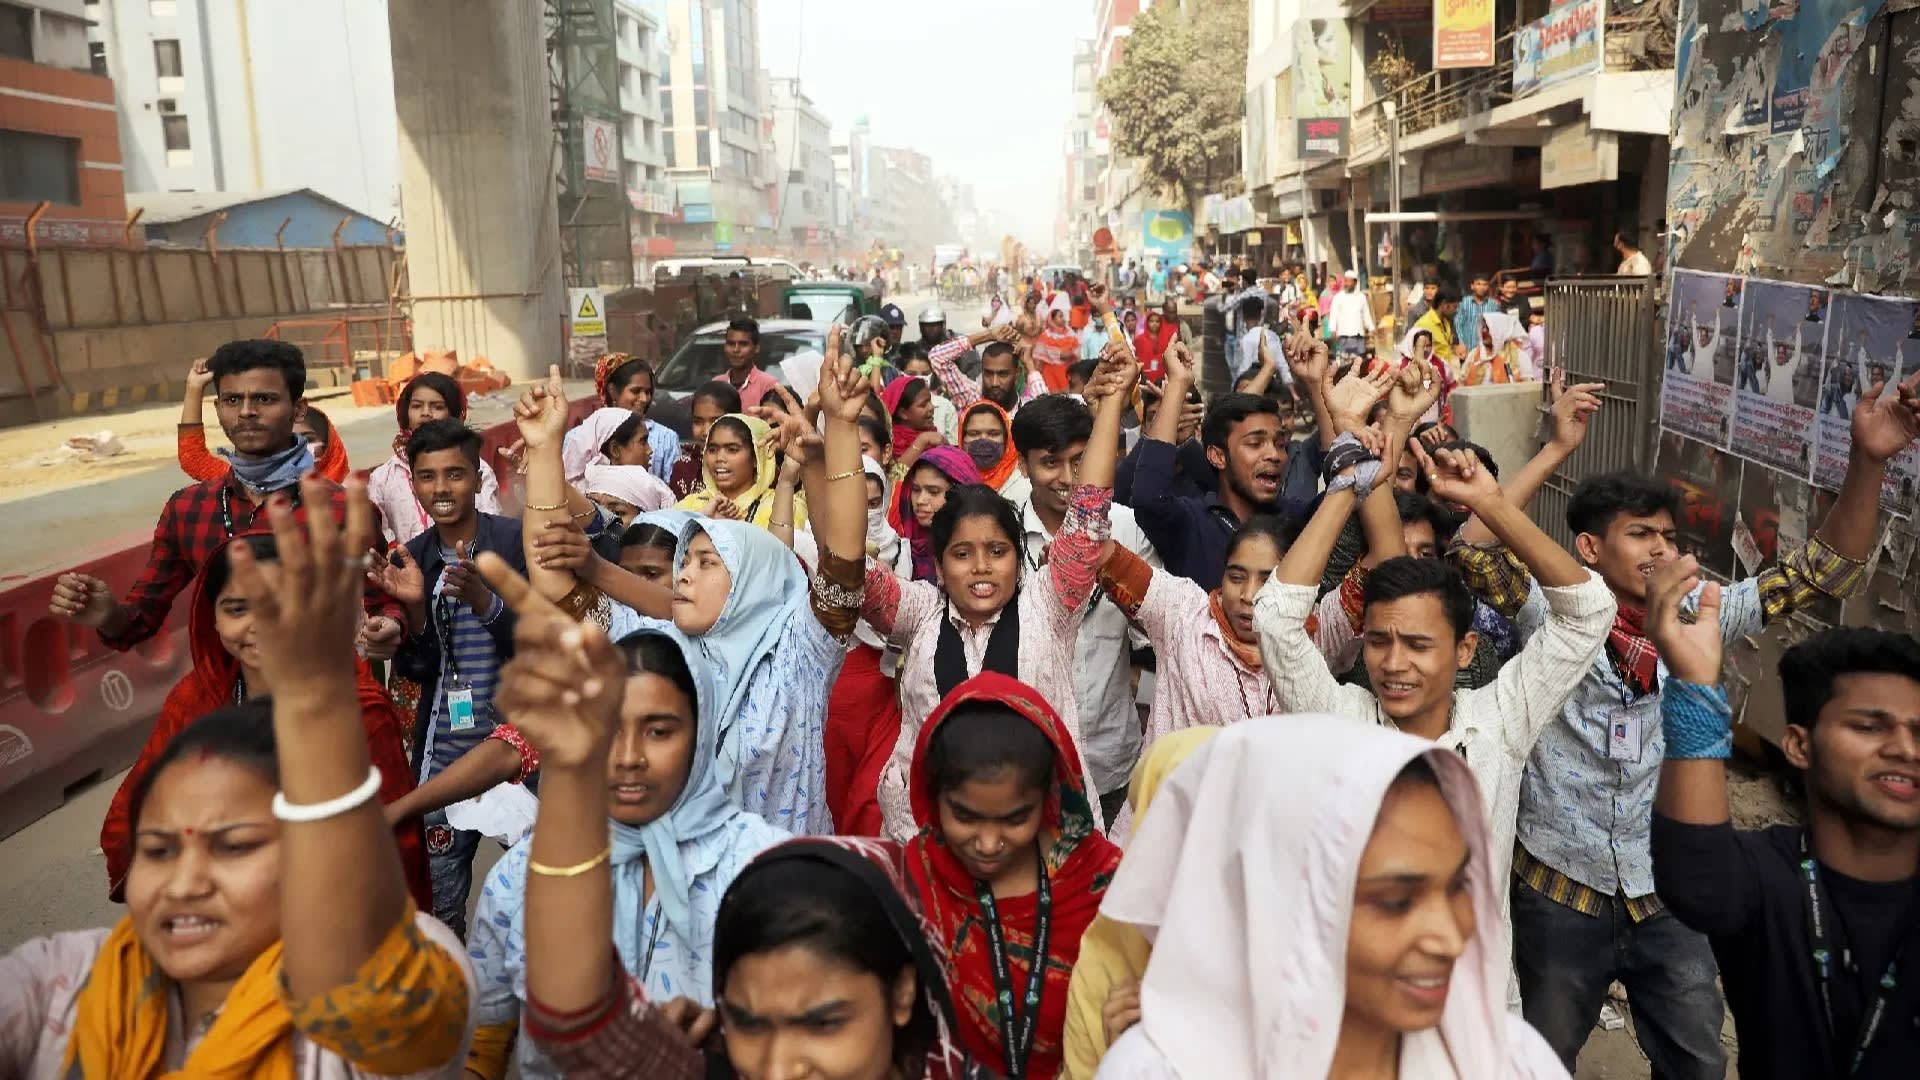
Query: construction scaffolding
column 584, row 84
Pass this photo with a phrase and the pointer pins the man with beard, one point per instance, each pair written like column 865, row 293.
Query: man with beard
column 1003, row 380
column 1247, row 447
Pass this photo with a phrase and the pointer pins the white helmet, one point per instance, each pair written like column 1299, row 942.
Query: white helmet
column 934, row 313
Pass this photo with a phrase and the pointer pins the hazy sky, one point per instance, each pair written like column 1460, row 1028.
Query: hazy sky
column 983, row 88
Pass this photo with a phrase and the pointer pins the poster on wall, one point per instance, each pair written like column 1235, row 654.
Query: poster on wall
column 1703, row 329
column 1783, row 335
column 1816, row 40
column 1462, row 34
column 1707, row 481
column 1563, row 44
column 1322, row 78
column 1866, row 335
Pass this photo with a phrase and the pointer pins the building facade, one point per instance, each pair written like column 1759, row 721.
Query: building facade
column 59, row 140
column 643, row 57
column 803, row 162
column 232, row 97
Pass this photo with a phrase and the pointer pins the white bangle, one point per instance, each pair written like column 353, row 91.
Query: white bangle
column 321, row 811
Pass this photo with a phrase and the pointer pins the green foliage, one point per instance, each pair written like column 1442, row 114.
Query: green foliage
column 1177, row 97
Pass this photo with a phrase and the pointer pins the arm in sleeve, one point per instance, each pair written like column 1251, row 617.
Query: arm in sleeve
column 34, row 979
column 195, row 460
column 497, row 946
column 1533, row 685
column 1299, row 673
column 961, row 388
column 1163, row 514
column 1338, row 620
column 1074, row 563
column 1494, row 574
column 151, row 598
column 407, row 1008
column 529, row 757
column 1705, row 874
column 622, row 1036
column 880, row 602
column 1811, row 570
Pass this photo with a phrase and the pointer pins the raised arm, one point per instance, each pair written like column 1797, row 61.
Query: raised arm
column 191, row 442
column 1264, row 372
column 541, row 414
column 1572, row 410
column 1457, row 476
column 1347, row 402
column 962, row 389
column 1693, row 706
column 1885, row 422
column 1307, row 358
column 836, row 486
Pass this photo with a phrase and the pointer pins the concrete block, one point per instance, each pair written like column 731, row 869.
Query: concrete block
column 1504, row 418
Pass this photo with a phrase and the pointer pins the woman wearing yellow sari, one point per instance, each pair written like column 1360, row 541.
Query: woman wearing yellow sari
column 739, row 477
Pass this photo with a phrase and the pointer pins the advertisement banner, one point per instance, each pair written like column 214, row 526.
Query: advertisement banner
column 1322, row 81
column 1563, row 44
column 1462, row 34
column 600, row 147
column 1166, row 233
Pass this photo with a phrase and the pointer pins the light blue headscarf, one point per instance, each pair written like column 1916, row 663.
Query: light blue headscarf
column 769, row 589
column 701, row 810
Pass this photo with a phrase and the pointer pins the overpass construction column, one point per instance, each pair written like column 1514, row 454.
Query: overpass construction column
column 477, row 180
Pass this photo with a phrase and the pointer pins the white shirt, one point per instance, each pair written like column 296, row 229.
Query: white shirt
column 1102, row 673
column 1249, row 359
column 1636, row 264
column 1350, row 314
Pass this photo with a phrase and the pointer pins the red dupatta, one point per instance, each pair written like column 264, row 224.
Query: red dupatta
column 1080, row 863
column 210, row 685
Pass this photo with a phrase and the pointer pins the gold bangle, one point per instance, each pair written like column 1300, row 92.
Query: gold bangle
column 845, row 475
column 561, row 505
column 571, row 871
column 772, row 524
column 581, row 514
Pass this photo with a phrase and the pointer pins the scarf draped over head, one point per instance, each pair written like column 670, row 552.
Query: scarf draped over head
column 1079, row 862
column 769, row 589
column 665, row 842
column 1242, row 878
column 891, row 396
column 995, row 473
column 958, row 468
column 603, row 370
column 880, row 866
column 883, row 543
column 634, row 485
column 331, row 462
column 272, row 472
column 757, row 501
column 1502, row 359
column 582, row 446
column 802, row 371
column 1248, row 655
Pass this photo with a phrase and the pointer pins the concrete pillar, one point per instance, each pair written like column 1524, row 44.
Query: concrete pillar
column 477, row 180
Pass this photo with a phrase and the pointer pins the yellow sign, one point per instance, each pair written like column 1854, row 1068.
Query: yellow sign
column 1462, row 34
column 585, row 307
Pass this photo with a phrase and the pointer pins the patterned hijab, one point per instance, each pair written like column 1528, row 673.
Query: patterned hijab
column 958, row 468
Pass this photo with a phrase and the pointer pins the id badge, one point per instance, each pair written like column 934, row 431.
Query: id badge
column 1623, row 736
column 460, row 707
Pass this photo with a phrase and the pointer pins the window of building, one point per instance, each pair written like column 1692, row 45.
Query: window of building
column 173, row 128
column 706, row 150
column 623, row 26
column 35, row 167
column 700, row 108
column 97, row 57
column 165, row 9
column 16, row 32
column 166, row 58
column 796, row 176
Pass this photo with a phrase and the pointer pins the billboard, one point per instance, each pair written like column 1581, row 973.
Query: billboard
column 1462, row 34
column 1166, row 233
column 600, row 149
column 1322, row 83
column 1562, row 44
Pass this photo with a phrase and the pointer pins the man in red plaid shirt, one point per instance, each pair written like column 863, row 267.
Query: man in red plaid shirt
column 259, row 393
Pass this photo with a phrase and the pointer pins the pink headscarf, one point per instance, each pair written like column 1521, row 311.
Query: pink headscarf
column 1243, row 880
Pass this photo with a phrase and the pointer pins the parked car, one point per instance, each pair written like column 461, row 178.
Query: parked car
column 829, row 301
column 700, row 359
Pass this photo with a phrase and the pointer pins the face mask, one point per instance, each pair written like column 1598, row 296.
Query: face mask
column 984, row 452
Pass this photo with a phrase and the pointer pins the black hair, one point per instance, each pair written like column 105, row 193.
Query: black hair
column 1083, row 369
column 631, row 427
column 252, row 354
column 1271, row 526
column 1809, row 668
column 1405, row 576
column 997, row 348
column 972, row 500
column 219, row 570
column 647, row 534
column 720, row 393
column 978, row 741
column 443, row 434
column 1485, row 455
column 652, row 653
column 736, row 424
column 909, row 350
column 1446, row 295
column 910, row 395
column 749, row 327
column 875, row 428
column 814, row 904
column 1628, row 236
column 1414, row 506
column 1418, row 771
column 241, row 734
column 619, row 377
column 1051, row 423
column 443, row 385
column 1228, row 411
column 1600, row 499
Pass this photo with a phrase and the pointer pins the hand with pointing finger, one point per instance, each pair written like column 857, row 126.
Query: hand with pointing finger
column 564, row 685
column 541, row 412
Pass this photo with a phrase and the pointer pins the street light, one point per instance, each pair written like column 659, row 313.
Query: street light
column 1391, row 109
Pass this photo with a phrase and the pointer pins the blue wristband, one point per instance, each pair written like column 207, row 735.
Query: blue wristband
column 1697, row 721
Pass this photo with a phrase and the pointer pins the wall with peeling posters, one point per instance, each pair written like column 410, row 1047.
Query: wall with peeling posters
column 1793, row 218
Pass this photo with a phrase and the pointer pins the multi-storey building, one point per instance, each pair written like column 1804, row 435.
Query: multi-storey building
column 58, row 136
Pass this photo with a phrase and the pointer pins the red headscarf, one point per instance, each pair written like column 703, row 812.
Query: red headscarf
column 332, row 462
column 604, row 368
column 209, row 686
column 1079, row 863
column 891, row 396
column 996, row 474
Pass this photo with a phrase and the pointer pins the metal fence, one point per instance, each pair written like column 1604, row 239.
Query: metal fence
column 1600, row 329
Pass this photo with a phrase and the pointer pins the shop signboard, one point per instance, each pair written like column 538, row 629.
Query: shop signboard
column 1563, row 44
column 1462, row 34
column 696, row 213
column 1236, row 215
column 1322, row 81
column 1166, row 233
column 1577, row 154
column 1464, row 165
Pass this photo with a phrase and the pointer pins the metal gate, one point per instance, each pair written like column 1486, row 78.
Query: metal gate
column 1600, row 329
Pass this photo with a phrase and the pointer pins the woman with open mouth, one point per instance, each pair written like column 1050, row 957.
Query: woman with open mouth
column 737, row 478
column 977, row 614
column 1321, row 901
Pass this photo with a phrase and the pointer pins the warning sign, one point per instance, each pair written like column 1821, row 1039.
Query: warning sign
column 599, row 148
column 587, row 312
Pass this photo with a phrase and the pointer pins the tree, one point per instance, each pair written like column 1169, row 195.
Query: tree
column 1177, row 97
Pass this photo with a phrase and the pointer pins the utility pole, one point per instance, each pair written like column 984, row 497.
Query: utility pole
column 1392, row 110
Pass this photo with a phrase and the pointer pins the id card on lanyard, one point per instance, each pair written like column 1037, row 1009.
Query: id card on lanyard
column 1876, row 996
column 458, row 691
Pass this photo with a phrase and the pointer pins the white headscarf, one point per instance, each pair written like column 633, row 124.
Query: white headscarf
column 1243, row 879
column 631, row 484
column 581, row 447
column 802, row 371
column 883, row 543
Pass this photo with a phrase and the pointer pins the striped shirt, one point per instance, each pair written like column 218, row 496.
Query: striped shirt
column 471, row 657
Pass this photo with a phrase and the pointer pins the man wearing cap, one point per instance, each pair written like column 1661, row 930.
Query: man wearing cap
column 1350, row 316
column 896, row 321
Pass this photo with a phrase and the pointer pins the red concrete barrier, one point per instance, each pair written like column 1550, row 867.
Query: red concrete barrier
column 72, row 709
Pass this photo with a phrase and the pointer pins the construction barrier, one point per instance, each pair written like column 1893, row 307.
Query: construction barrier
column 71, row 709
